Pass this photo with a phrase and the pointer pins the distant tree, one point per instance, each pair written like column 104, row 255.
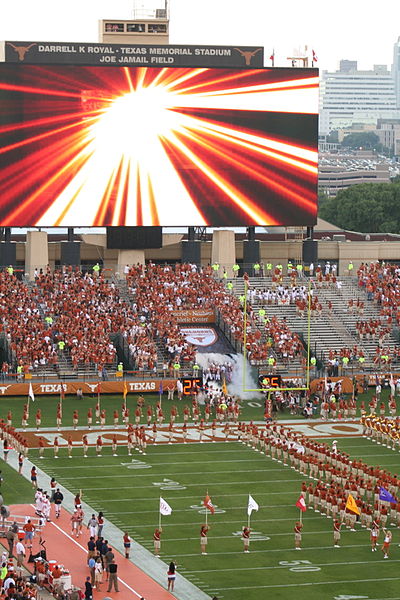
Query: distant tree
column 368, row 207
column 333, row 137
column 365, row 140
column 322, row 196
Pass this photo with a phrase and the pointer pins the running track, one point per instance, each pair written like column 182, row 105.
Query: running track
column 71, row 552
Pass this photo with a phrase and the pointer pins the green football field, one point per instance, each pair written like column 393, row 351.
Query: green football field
column 128, row 492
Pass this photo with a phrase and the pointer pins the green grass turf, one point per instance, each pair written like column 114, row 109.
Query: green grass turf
column 15, row 489
column 48, row 406
column 230, row 471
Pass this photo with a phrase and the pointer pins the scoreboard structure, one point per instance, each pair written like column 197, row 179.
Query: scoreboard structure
column 270, row 382
column 191, row 384
column 113, row 135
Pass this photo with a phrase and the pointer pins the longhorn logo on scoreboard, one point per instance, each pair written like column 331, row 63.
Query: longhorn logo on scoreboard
column 200, row 336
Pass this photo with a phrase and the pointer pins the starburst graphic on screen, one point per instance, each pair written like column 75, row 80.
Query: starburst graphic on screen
column 100, row 146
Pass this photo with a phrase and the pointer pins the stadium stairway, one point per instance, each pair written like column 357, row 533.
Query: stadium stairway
column 127, row 295
column 326, row 332
column 351, row 291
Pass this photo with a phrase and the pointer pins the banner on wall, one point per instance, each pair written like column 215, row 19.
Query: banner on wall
column 71, row 387
column 194, row 316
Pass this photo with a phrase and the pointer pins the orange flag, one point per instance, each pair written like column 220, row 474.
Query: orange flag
column 208, row 504
column 351, row 505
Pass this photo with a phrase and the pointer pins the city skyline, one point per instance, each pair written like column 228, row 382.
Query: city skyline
column 349, row 32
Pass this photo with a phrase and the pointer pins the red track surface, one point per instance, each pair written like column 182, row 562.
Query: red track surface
column 71, row 552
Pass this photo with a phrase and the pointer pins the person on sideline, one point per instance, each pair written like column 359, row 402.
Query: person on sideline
column 127, row 544
column 157, row 541
column 171, row 573
column 58, row 497
column 34, row 477
column 113, row 578
column 88, row 589
column 98, row 573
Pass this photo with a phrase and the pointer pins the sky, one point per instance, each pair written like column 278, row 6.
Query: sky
column 349, row 29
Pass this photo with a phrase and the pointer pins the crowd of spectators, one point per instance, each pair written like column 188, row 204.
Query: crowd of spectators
column 81, row 311
column 373, row 329
column 381, row 282
column 69, row 311
column 23, row 326
column 160, row 291
column 17, row 587
column 74, row 313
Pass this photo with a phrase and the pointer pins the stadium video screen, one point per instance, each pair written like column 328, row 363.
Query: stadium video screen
column 112, row 146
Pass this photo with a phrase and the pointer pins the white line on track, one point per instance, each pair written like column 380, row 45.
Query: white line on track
column 85, row 551
column 285, row 585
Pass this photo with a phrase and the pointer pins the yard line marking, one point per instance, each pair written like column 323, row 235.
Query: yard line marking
column 177, row 510
column 278, row 550
column 202, row 473
column 284, row 585
column 175, row 498
column 230, row 537
column 204, row 483
column 195, row 523
column 366, row 562
column 195, row 496
column 197, row 462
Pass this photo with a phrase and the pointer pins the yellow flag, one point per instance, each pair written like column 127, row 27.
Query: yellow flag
column 224, row 388
column 351, row 505
column 125, row 392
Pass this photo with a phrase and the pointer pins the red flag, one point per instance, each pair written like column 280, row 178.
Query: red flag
column 301, row 504
column 98, row 388
column 314, row 57
column 208, row 504
column 62, row 392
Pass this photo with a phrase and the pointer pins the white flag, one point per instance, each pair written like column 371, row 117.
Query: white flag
column 252, row 505
column 165, row 508
column 30, row 393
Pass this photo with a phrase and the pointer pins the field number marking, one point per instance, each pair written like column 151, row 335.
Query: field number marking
column 255, row 536
column 169, row 484
column 202, row 509
column 347, row 597
column 299, row 566
column 136, row 464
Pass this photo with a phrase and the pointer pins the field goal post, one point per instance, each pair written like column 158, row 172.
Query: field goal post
column 280, row 389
